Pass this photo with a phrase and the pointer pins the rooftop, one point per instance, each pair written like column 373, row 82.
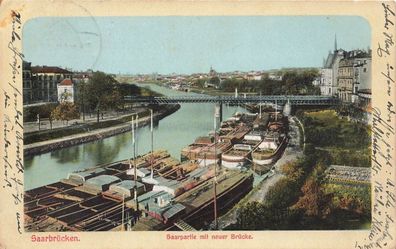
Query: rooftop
column 126, row 184
column 66, row 82
column 45, row 69
column 103, row 179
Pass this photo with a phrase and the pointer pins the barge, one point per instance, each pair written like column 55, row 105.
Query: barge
column 110, row 197
column 193, row 209
column 157, row 192
column 268, row 152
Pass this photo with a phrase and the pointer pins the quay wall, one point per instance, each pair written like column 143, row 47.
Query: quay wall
column 55, row 144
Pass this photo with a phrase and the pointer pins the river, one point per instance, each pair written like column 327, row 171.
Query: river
column 171, row 133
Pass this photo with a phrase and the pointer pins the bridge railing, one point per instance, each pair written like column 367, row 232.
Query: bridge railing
column 280, row 99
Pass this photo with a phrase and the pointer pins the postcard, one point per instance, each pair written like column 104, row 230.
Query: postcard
column 195, row 124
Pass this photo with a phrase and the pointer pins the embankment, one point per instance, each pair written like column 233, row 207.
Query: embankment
column 68, row 141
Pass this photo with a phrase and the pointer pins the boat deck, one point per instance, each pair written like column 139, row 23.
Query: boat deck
column 70, row 205
column 197, row 197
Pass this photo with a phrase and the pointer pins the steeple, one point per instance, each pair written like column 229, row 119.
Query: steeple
column 335, row 42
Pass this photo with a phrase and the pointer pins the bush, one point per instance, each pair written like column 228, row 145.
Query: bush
column 30, row 112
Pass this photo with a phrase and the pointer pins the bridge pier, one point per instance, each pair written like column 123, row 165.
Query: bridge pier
column 221, row 112
column 218, row 114
column 287, row 109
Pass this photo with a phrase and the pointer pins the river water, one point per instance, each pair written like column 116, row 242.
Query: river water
column 171, row 133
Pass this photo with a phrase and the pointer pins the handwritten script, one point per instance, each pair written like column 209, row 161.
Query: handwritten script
column 12, row 179
column 383, row 119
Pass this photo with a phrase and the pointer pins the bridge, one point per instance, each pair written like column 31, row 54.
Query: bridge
column 294, row 100
column 283, row 100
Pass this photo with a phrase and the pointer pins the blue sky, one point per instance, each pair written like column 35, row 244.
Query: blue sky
column 189, row 44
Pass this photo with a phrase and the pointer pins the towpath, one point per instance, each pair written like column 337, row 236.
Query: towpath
column 45, row 146
column 109, row 115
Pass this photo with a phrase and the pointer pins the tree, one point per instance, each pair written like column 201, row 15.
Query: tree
column 282, row 194
column 215, row 81
column 101, row 92
column 65, row 96
column 314, row 201
column 65, row 111
column 292, row 170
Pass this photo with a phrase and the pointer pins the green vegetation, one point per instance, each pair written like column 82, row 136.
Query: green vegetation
column 337, row 140
column 65, row 111
column 102, row 92
column 39, row 136
column 294, row 82
column 30, row 113
column 352, row 110
column 303, row 199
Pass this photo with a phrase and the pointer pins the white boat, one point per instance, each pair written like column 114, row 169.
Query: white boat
column 238, row 155
column 269, row 150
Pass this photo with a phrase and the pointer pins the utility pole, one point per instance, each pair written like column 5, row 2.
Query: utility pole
column 152, row 142
column 136, row 136
column 82, row 100
column 123, row 210
column 215, row 172
column 134, row 162
column 48, row 91
column 260, row 105
column 38, row 121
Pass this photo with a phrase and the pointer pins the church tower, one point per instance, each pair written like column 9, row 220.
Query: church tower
column 335, row 42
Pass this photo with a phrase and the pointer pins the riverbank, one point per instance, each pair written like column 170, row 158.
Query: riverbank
column 172, row 133
column 89, row 136
column 207, row 91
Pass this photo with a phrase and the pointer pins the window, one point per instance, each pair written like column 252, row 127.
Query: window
column 364, row 69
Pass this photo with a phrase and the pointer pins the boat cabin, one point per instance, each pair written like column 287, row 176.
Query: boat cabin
column 83, row 176
column 100, row 183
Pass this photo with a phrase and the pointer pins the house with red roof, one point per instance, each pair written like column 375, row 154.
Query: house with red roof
column 43, row 83
column 66, row 91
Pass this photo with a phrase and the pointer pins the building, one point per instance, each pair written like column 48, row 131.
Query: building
column 326, row 81
column 344, row 73
column 27, row 82
column 274, row 76
column 354, row 75
column 316, row 81
column 82, row 77
column 66, row 91
column 345, row 79
column 329, row 73
column 364, row 98
column 362, row 87
column 45, row 80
